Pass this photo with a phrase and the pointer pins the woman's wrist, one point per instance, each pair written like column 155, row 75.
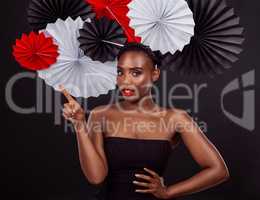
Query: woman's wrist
column 80, row 125
column 167, row 195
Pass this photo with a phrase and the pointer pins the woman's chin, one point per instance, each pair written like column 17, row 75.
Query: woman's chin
column 131, row 98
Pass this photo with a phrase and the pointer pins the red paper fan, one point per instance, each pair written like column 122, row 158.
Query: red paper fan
column 36, row 51
column 115, row 10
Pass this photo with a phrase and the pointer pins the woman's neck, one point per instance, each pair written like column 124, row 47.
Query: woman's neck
column 145, row 104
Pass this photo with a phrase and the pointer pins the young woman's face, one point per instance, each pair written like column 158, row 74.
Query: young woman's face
column 136, row 75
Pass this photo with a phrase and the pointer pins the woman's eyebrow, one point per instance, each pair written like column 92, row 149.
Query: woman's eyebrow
column 136, row 68
column 133, row 68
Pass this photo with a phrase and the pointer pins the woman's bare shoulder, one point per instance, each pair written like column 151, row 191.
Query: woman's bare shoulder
column 175, row 111
column 177, row 114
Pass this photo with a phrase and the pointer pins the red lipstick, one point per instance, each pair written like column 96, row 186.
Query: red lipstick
column 128, row 92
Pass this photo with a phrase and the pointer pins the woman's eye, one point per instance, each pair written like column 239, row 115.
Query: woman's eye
column 136, row 73
column 119, row 73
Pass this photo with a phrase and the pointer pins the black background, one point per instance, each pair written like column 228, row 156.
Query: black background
column 40, row 161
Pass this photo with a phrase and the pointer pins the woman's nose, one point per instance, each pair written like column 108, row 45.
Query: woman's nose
column 126, row 80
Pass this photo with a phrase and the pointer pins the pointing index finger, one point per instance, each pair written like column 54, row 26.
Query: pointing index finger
column 66, row 94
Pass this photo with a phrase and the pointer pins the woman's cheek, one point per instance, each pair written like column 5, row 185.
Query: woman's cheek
column 144, row 86
column 139, row 80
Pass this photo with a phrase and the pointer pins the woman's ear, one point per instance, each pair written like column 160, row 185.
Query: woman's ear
column 156, row 74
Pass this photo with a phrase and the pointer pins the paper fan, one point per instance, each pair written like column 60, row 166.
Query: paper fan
column 163, row 25
column 217, row 41
column 35, row 51
column 115, row 10
column 101, row 39
column 82, row 76
column 42, row 12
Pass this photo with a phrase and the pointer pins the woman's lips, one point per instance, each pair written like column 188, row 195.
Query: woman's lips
column 128, row 92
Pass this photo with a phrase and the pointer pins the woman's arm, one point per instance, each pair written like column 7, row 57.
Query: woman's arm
column 90, row 146
column 89, row 138
column 214, row 170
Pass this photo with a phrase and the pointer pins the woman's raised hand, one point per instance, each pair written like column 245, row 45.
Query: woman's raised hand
column 72, row 110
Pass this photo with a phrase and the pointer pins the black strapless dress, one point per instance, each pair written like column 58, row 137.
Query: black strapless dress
column 127, row 156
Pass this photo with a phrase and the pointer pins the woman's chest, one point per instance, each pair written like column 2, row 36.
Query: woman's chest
column 138, row 126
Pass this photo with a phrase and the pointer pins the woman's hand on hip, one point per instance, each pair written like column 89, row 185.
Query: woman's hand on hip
column 155, row 184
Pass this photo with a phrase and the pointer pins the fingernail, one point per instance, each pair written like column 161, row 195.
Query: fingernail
column 137, row 175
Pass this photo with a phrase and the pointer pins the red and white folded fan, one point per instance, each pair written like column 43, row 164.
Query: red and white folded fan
column 79, row 74
column 35, row 51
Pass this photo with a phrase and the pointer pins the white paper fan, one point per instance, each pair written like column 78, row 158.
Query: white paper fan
column 79, row 74
column 165, row 25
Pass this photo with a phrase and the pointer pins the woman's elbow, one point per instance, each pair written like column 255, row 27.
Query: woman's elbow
column 96, row 180
column 222, row 173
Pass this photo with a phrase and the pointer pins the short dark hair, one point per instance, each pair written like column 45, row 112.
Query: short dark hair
column 139, row 47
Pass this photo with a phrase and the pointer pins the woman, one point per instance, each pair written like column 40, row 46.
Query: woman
column 113, row 147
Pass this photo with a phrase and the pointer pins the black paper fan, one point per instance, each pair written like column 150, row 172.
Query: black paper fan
column 216, row 43
column 42, row 12
column 101, row 39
